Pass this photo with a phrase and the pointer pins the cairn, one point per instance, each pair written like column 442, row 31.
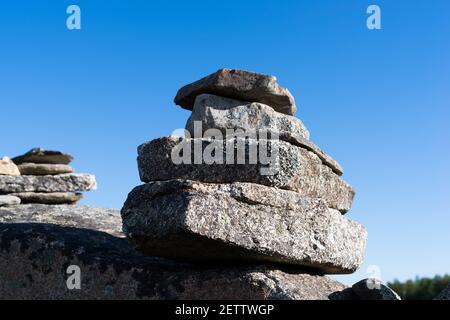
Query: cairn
column 207, row 200
column 42, row 177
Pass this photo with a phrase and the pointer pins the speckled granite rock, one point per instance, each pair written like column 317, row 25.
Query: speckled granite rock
column 49, row 198
column 296, row 168
column 8, row 200
column 241, row 222
column 445, row 294
column 42, row 169
column 34, row 259
column 225, row 113
column 106, row 220
column 39, row 155
column 214, row 112
column 9, row 168
column 374, row 289
column 241, row 85
column 58, row 183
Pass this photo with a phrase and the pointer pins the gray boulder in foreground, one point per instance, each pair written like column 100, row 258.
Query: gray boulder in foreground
column 58, row 183
column 194, row 221
column 214, row 112
column 9, row 200
column 294, row 168
column 34, row 259
column 374, row 289
column 241, row 85
column 105, row 220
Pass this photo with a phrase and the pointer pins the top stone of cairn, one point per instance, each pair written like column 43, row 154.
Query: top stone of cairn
column 242, row 85
column 38, row 155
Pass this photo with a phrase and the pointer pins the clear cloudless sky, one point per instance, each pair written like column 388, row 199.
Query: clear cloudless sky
column 377, row 101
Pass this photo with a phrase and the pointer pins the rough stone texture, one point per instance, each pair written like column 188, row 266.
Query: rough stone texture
column 374, row 289
column 214, row 112
column 34, row 259
column 42, row 169
column 7, row 167
column 225, row 113
column 105, row 220
column 49, row 198
column 38, row 155
column 445, row 294
column 241, row 222
column 9, row 200
column 296, row 168
column 241, row 85
column 58, row 183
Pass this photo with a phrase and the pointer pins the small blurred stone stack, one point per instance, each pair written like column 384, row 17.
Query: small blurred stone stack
column 42, row 177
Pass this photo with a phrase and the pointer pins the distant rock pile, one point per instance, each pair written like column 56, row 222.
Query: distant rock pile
column 42, row 177
column 236, row 210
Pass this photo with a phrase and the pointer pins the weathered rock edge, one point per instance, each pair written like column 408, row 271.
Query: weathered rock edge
column 58, row 183
column 241, row 85
column 49, row 198
column 297, row 169
column 34, row 259
column 223, row 114
column 194, row 221
column 100, row 219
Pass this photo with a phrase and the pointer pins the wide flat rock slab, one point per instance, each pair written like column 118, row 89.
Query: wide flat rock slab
column 105, row 220
column 241, row 85
column 224, row 114
column 39, row 155
column 43, row 169
column 57, row 183
column 49, row 198
column 195, row 221
column 34, row 259
column 292, row 167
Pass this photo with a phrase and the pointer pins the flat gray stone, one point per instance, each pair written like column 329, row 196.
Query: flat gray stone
column 445, row 294
column 99, row 219
column 39, row 155
column 214, row 112
column 295, row 168
column 8, row 200
column 7, row 167
column 47, row 184
column 42, row 169
column 49, row 198
column 193, row 221
column 374, row 289
column 241, row 85
column 34, row 259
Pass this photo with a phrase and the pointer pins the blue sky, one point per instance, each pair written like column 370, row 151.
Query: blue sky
column 377, row 101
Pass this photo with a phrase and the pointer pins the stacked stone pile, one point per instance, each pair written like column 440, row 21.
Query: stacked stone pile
column 42, row 177
column 232, row 209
